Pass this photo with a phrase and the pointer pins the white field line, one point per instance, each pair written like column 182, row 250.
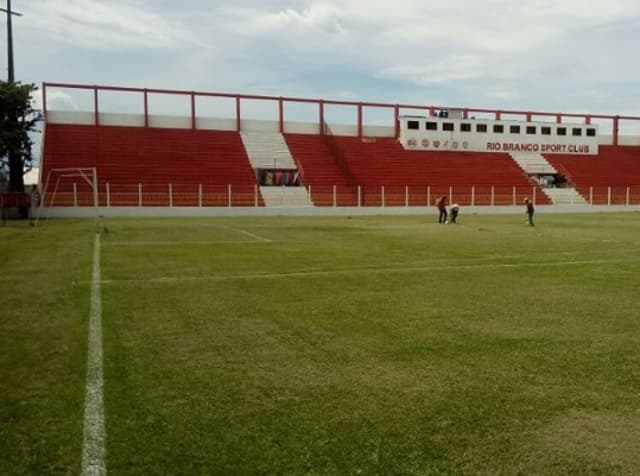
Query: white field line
column 246, row 233
column 185, row 243
column 375, row 269
column 93, row 447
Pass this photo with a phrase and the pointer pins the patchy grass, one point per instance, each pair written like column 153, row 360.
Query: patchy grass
column 44, row 276
column 365, row 345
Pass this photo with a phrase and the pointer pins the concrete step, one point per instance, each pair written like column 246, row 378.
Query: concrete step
column 533, row 163
column 267, row 150
column 564, row 196
column 285, row 196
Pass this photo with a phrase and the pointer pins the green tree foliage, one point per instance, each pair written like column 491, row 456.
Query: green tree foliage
column 17, row 120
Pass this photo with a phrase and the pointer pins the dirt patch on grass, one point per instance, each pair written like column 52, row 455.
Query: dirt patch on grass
column 598, row 441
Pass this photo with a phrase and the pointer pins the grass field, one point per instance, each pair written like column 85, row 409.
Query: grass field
column 364, row 345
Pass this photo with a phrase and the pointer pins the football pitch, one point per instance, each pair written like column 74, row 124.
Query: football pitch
column 324, row 346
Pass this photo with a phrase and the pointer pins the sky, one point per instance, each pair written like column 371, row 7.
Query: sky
column 552, row 55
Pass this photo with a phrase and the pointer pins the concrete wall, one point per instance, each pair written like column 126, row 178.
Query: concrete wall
column 114, row 119
column 343, row 130
column 229, row 124
column 252, row 125
column 628, row 140
column 379, row 131
column 170, row 122
column 302, row 127
column 211, row 123
column 70, row 117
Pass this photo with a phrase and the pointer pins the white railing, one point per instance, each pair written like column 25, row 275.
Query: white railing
column 78, row 194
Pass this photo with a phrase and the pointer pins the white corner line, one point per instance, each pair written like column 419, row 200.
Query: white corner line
column 93, row 446
column 247, row 233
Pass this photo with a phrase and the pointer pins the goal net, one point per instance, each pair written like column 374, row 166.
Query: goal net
column 68, row 187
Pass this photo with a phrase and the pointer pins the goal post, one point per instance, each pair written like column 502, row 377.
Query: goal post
column 57, row 182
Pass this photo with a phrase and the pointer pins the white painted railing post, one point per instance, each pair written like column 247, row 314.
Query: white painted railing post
column 591, row 195
column 334, row 197
column 533, row 195
column 309, row 195
column 229, row 194
column 406, row 196
column 450, row 194
column 96, row 197
column 609, row 195
column 255, row 195
column 359, row 196
column 108, row 195
column 627, row 196
column 382, row 194
column 139, row 194
column 514, row 196
column 493, row 196
column 428, row 195
column 200, row 195
column 170, row 195
column 473, row 195
column 75, row 195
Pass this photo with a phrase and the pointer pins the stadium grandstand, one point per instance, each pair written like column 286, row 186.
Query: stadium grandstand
column 203, row 160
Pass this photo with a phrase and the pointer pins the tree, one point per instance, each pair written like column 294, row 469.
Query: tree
column 17, row 120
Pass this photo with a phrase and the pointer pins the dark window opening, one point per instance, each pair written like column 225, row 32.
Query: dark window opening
column 591, row 132
column 481, row 128
column 545, row 131
column 498, row 128
column 413, row 125
column 561, row 131
column 531, row 129
column 447, row 126
column 432, row 126
column 576, row 131
column 514, row 129
column 464, row 127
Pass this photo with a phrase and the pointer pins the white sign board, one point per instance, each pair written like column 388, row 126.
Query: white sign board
column 446, row 134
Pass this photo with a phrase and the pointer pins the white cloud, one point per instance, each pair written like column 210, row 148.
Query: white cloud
column 106, row 25
column 495, row 51
column 319, row 17
column 453, row 68
column 56, row 100
column 502, row 93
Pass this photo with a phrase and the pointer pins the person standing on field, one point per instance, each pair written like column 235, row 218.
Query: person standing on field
column 455, row 208
column 530, row 211
column 441, row 203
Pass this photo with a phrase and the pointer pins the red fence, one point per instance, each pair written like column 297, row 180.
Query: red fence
column 14, row 200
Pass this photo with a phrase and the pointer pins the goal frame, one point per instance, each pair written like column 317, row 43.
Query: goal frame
column 88, row 174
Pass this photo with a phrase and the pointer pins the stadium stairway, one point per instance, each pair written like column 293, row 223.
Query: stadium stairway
column 285, row 196
column 533, row 163
column 267, row 150
column 564, row 196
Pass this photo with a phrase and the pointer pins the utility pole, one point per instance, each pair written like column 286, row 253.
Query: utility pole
column 10, row 38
